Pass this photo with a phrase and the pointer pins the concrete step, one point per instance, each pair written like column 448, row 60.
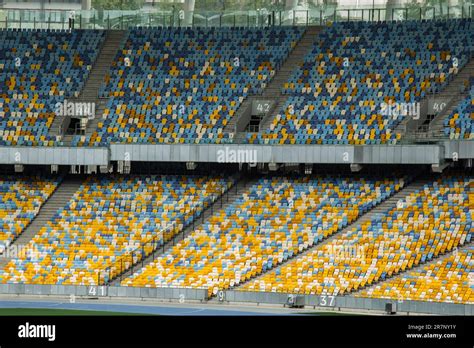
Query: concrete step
column 230, row 127
column 266, row 121
column 295, row 58
column 421, row 264
column 273, row 89
column 389, row 203
column 221, row 203
column 451, row 91
column 58, row 200
column 109, row 49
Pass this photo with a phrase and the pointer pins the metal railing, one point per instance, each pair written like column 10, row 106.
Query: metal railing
column 134, row 259
column 113, row 19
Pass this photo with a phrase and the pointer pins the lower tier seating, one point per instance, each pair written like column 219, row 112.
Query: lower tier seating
column 427, row 223
column 447, row 280
column 109, row 221
column 274, row 220
column 20, row 201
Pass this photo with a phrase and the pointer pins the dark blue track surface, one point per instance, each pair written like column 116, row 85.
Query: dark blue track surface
column 157, row 309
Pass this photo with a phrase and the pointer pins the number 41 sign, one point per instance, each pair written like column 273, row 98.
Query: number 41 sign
column 98, row 291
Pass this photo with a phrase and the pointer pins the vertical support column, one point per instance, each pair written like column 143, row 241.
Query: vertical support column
column 3, row 16
column 42, row 16
column 85, row 13
column 290, row 6
column 188, row 12
column 86, row 5
column 391, row 6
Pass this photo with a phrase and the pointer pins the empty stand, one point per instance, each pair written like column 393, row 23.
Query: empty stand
column 426, row 223
column 90, row 92
column 274, row 220
column 457, row 94
column 21, row 200
column 40, row 69
column 109, row 224
column 378, row 210
column 295, row 59
column 184, row 85
column 337, row 95
column 191, row 85
column 56, row 201
column 445, row 279
column 222, row 202
column 407, row 189
column 273, row 90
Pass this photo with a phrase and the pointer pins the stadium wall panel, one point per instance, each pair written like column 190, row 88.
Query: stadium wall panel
column 54, row 155
column 231, row 296
column 330, row 154
column 463, row 149
column 105, row 291
column 349, row 302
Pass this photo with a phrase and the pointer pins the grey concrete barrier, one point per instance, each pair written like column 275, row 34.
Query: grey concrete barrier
column 185, row 294
column 105, row 291
column 343, row 154
column 350, row 302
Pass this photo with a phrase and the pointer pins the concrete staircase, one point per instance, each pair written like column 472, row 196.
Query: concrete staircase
column 453, row 91
column 221, row 203
column 90, row 91
column 60, row 197
column 266, row 121
column 230, row 127
column 56, row 201
column 415, row 267
column 273, row 89
column 106, row 56
column 440, row 256
column 379, row 209
column 294, row 60
column 55, row 128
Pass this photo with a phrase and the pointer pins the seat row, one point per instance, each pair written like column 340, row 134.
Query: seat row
column 274, row 220
column 110, row 221
column 185, row 85
column 20, row 201
column 432, row 220
column 340, row 93
column 38, row 70
column 447, row 280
